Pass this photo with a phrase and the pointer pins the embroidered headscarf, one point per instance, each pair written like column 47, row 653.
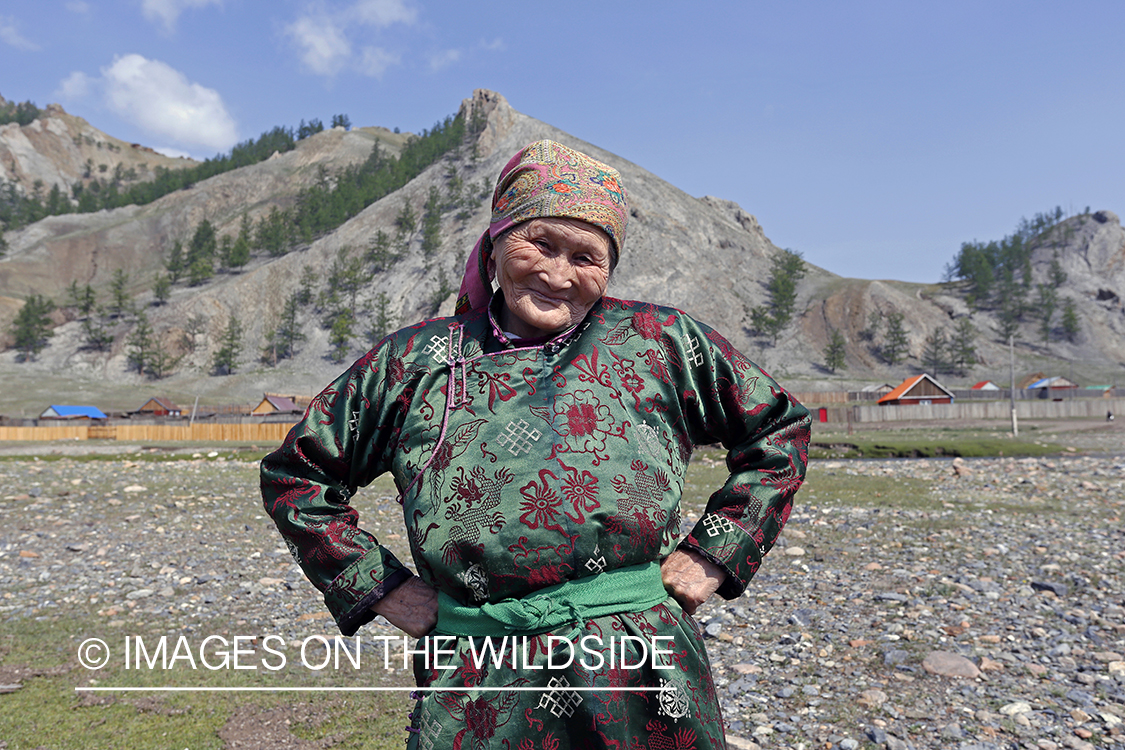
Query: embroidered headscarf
column 545, row 180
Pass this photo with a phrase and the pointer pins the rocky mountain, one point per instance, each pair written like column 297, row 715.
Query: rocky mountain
column 707, row 256
column 61, row 149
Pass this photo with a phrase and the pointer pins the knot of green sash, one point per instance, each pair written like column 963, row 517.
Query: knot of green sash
column 631, row 589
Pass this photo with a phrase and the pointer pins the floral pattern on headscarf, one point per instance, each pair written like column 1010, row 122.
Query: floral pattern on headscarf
column 546, row 180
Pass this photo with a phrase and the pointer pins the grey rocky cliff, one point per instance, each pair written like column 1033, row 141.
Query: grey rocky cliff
column 707, row 256
column 55, row 149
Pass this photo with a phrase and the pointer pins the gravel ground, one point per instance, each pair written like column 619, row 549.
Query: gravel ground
column 910, row 603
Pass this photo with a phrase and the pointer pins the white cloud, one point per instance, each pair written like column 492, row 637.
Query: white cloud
column 375, row 62
column 75, row 86
column 78, row 6
column 496, row 45
column 175, row 153
column 444, row 59
column 326, row 38
column 382, row 12
column 322, row 44
column 11, row 36
column 168, row 11
column 162, row 101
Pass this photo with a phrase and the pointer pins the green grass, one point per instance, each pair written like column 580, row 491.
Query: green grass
column 48, row 710
column 154, row 452
column 932, row 443
column 831, row 487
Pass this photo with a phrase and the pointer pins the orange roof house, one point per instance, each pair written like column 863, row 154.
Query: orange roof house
column 985, row 385
column 919, row 389
column 271, row 404
column 160, row 406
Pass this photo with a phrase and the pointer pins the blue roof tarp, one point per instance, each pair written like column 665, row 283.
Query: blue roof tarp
column 73, row 412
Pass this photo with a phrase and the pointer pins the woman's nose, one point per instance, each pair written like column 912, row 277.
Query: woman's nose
column 557, row 271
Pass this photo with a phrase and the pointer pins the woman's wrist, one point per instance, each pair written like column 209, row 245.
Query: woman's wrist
column 690, row 578
column 411, row 607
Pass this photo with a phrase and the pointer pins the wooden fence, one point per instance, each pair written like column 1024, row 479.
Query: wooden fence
column 1078, row 408
column 821, row 397
column 268, row 432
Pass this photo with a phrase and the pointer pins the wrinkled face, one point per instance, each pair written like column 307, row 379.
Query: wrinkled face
column 552, row 271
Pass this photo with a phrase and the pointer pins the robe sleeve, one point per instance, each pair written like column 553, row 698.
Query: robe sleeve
column 344, row 441
column 728, row 399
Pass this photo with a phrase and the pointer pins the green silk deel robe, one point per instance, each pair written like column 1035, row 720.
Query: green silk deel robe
column 524, row 465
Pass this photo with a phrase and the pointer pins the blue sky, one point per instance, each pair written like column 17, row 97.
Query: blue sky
column 873, row 137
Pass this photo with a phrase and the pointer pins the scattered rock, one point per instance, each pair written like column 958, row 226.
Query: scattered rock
column 872, row 698
column 1058, row 589
column 945, row 664
column 1018, row 707
column 834, row 639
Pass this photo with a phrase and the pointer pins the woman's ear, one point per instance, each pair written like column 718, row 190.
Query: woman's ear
column 490, row 264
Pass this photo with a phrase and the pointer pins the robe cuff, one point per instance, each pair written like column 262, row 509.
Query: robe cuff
column 728, row 545
column 363, row 583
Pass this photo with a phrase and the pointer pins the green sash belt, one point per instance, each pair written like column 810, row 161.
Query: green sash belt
column 632, row 589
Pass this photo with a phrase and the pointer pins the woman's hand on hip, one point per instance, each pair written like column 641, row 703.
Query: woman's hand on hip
column 690, row 578
column 411, row 607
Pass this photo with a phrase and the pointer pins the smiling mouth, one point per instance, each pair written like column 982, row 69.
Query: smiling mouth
column 548, row 299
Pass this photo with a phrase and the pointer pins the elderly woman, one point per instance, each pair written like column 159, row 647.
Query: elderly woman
column 539, row 439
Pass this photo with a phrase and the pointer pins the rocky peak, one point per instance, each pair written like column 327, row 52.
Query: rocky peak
column 497, row 114
column 61, row 149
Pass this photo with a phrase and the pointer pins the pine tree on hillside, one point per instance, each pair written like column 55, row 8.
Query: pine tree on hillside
column 895, row 342
column 194, row 326
column 1046, row 304
column 313, row 127
column 836, row 352
column 161, row 362
column 431, row 224
column 962, row 346
column 140, row 343
column 1070, row 324
column 341, row 335
column 97, row 331
column 225, row 252
column 81, row 299
column 1007, row 324
column 874, row 319
column 175, row 263
column 272, row 233
column 119, row 292
column 787, row 270
column 405, row 220
column 201, row 250
column 32, row 326
column 281, row 343
column 230, row 347
column 348, row 275
column 161, row 289
column 935, row 352
column 1056, row 273
column 240, row 251
column 380, row 254
column 382, row 323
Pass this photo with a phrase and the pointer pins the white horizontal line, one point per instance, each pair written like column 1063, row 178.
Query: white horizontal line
column 560, row 688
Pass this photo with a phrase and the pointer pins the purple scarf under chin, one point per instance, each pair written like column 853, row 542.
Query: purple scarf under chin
column 545, row 180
